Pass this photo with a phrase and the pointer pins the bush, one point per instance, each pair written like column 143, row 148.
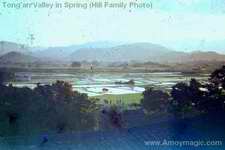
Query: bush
column 53, row 107
column 206, row 98
column 218, row 77
column 5, row 76
column 76, row 64
column 155, row 100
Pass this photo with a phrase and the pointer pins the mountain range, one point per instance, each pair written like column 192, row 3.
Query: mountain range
column 128, row 52
column 17, row 57
column 103, row 51
column 6, row 47
column 63, row 53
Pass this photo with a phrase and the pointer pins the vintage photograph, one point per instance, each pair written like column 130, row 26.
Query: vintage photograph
column 112, row 74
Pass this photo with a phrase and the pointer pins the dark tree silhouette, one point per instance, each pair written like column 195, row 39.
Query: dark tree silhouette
column 155, row 100
column 53, row 107
column 5, row 76
column 76, row 64
column 218, row 77
column 181, row 95
column 186, row 98
column 208, row 98
column 214, row 101
column 196, row 94
column 1, row 77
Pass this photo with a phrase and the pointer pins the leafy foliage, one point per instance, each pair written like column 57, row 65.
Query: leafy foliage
column 208, row 98
column 53, row 107
column 191, row 98
column 5, row 76
column 155, row 100
column 218, row 77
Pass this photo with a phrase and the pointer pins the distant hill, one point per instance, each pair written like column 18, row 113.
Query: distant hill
column 62, row 53
column 6, row 47
column 17, row 58
column 130, row 52
column 105, row 52
column 143, row 52
column 52, row 53
column 206, row 56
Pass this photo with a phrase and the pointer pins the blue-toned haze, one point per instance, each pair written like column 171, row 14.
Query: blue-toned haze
column 184, row 25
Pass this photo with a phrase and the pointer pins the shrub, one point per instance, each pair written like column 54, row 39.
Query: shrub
column 155, row 100
column 53, row 107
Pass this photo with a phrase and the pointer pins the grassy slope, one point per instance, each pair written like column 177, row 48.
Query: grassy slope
column 125, row 98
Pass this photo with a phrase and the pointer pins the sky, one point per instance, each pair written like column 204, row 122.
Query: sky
column 183, row 25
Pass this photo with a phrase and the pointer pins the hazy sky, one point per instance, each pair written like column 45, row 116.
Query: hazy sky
column 184, row 25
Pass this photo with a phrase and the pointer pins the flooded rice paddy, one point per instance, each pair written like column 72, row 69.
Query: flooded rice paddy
column 94, row 84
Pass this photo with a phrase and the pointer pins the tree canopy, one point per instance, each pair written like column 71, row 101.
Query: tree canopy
column 155, row 100
column 53, row 107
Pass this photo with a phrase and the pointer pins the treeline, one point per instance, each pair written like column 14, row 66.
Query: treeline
column 5, row 76
column 189, row 99
column 58, row 108
column 46, row 108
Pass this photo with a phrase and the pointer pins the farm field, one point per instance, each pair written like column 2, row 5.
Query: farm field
column 105, row 85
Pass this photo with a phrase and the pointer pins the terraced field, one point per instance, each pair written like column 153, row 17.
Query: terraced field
column 105, row 85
